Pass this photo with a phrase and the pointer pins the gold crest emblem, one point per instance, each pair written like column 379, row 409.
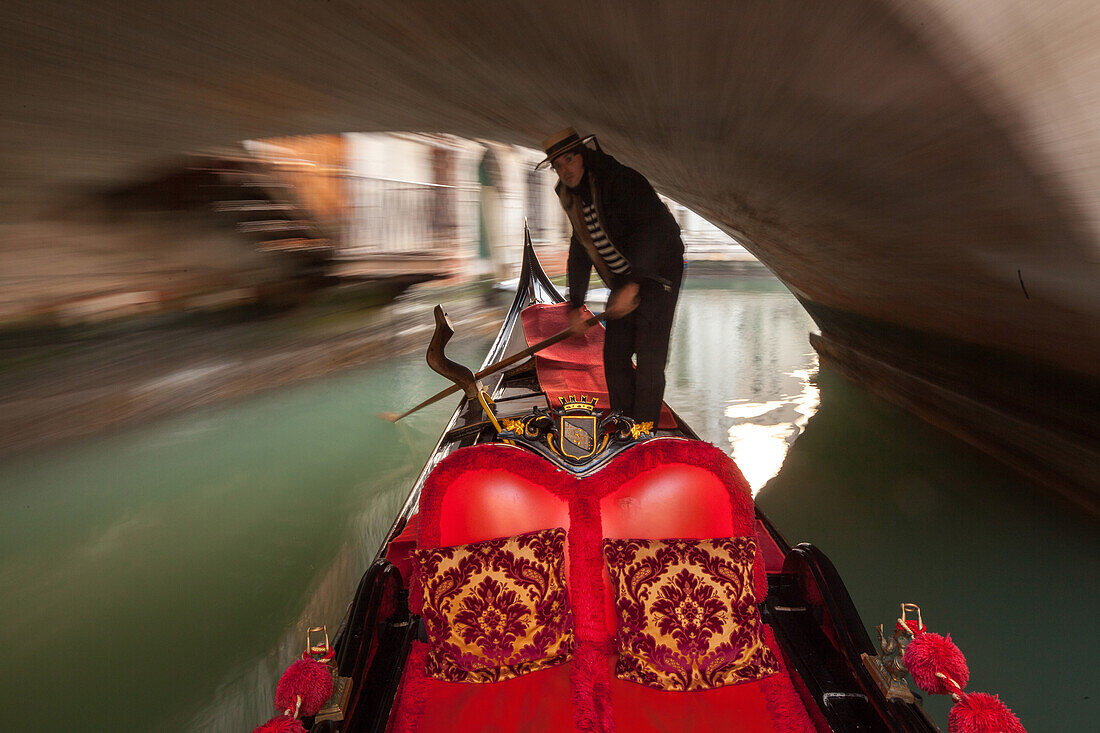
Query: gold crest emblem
column 577, row 426
column 578, row 435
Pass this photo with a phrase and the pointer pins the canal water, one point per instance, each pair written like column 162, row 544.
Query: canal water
column 160, row 579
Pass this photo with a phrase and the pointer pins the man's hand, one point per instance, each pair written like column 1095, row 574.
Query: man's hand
column 622, row 301
column 577, row 324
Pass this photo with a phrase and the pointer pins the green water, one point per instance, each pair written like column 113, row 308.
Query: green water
column 161, row 579
column 906, row 513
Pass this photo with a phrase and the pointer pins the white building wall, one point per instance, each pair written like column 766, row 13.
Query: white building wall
column 384, row 155
column 402, row 162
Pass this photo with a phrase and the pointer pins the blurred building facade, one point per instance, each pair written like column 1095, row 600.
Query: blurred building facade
column 269, row 222
column 457, row 203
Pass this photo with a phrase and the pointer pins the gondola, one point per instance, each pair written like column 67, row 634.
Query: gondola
column 531, row 453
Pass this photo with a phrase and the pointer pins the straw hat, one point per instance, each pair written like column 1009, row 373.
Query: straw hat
column 561, row 142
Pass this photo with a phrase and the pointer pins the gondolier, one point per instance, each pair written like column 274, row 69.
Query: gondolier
column 623, row 229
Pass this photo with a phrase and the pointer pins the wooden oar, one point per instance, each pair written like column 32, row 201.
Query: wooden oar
column 493, row 368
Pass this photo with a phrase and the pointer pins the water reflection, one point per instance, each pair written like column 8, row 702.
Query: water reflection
column 763, row 432
column 741, row 370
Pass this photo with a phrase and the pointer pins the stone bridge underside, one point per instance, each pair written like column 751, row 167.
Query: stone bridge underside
column 922, row 175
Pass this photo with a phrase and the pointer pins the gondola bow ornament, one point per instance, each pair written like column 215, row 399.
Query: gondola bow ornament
column 304, row 687
column 939, row 668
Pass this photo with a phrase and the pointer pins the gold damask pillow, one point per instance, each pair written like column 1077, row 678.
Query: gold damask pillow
column 687, row 615
column 497, row 609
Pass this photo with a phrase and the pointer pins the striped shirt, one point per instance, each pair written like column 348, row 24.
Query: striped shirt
column 615, row 261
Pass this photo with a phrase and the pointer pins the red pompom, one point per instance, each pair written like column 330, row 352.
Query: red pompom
column 914, row 627
column 281, row 724
column 979, row 712
column 930, row 653
column 308, row 678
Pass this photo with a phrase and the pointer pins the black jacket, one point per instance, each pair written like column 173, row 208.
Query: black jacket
column 636, row 221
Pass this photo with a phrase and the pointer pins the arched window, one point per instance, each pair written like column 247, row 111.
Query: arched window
column 490, row 178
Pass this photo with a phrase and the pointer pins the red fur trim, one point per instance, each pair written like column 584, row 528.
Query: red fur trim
column 589, row 678
column 408, row 705
column 785, row 706
column 586, row 568
column 591, row 689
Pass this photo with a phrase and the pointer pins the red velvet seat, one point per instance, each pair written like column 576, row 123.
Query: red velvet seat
column 533, row 703
column 642, row 709
column 659, row 489
column 489, row 503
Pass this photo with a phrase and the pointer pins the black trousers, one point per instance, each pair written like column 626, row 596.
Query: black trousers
column 645, row 332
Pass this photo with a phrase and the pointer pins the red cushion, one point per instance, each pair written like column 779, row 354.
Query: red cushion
column 687, row 613
column 496, row 609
